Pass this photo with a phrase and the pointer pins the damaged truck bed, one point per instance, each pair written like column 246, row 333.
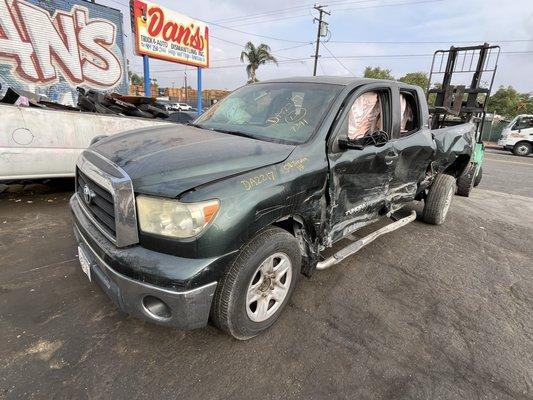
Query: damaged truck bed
column 218, row 219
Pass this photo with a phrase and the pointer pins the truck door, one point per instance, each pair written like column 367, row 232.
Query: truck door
column 361, row 159
column 414, row 145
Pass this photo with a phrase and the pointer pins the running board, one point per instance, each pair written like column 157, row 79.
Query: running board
column 359, row 244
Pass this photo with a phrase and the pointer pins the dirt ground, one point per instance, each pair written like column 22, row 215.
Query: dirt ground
column 422, row 313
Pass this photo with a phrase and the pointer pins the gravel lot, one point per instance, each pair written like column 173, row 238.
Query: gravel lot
column 424, row 312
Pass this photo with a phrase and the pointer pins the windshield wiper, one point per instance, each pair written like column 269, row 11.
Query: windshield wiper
column 236, row 133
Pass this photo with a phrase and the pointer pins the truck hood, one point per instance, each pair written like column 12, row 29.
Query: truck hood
column 169, row 160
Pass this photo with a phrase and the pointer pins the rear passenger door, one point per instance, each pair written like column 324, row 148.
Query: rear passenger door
column 413, row 144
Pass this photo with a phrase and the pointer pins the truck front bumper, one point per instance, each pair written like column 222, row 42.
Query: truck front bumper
column 184, row 309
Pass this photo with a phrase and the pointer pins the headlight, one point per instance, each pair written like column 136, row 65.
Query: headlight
column 168, row 217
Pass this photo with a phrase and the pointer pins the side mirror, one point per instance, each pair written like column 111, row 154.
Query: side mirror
column 378, row 138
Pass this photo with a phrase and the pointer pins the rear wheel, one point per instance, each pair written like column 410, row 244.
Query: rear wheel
column 522, row 149
column 256, row 288
column 465, row 183
column 438, row 200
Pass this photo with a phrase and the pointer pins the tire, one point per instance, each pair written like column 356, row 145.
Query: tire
column 231, row 312
column 478, row 177
column 522, row 149
column 438, row 200
column 465, row 183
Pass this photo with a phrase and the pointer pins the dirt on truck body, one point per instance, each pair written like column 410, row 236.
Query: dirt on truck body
column 218, row 219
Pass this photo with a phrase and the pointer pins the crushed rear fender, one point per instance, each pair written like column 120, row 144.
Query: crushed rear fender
column 452, row 142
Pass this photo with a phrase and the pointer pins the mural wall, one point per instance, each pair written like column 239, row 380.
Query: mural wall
column 50, row 47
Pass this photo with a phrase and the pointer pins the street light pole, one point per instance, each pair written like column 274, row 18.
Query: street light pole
column 319, row 32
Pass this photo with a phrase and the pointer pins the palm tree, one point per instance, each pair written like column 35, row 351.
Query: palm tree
column 256, row 56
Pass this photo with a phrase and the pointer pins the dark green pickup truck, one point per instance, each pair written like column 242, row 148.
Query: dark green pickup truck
column 218, row 219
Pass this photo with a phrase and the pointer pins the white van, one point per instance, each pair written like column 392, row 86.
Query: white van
column 518, row 135
column 37, row 143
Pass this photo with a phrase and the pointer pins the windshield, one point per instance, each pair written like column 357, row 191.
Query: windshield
column 286, row 112
column 521, row 122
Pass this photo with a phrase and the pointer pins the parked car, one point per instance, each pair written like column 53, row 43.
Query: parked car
column 219, row 219
column 518, row 135
column 184, row 107
column 182, row 117
column 38, row 143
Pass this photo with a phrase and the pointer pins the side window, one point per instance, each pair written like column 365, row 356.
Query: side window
column 409, row 122
column 365, row 115
column 523, row 123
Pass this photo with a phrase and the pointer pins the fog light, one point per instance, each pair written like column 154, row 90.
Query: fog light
column 157, row 308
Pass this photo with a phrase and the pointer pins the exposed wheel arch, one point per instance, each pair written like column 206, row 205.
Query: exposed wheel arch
column 307, row 240
column 459, row 166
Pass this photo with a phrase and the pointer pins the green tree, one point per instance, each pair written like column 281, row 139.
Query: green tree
column 416, row 78
column 256, row 56
column 135, row 79
column 378, row 73
column 508, row 102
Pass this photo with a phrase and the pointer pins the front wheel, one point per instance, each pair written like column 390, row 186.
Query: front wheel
column 438, row 200
column 522, row 149
column 256, row 288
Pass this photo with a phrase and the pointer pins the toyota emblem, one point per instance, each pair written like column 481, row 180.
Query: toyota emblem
column 88, row 194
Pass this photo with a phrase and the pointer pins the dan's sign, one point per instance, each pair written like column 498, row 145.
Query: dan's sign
column 168, row 35
column 52, row 47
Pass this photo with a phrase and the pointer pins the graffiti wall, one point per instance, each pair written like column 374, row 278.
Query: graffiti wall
column 50, row 47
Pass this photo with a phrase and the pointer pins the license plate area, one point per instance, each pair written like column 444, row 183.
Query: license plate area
column 85, row 263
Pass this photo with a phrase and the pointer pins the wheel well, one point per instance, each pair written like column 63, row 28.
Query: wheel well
column 287, row 224
column 458, row 166
column 524, row 141
column 297, row 227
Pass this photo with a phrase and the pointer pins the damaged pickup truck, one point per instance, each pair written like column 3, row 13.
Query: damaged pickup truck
column 219, row 219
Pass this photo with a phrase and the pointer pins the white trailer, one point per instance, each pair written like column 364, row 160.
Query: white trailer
column 42, row 143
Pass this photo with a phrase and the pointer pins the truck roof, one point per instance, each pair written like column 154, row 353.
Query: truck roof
column 337, row 80
column 334, row 80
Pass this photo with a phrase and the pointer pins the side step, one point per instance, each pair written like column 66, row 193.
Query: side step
column 359, row 244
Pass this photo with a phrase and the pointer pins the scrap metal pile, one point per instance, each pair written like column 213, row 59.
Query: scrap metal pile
column 114, row 103
column 103, row 103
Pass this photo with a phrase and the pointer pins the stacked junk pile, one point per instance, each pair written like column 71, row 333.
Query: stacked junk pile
column 97, row 102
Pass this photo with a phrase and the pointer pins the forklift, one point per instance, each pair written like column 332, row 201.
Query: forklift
column 460, row 84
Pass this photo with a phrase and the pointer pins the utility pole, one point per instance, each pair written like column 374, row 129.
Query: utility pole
column 186, row 89
column 321, row 31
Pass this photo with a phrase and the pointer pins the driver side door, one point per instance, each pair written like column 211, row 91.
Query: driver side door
column 359, row 177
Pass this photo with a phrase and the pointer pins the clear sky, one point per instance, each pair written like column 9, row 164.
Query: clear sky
column 289, row 30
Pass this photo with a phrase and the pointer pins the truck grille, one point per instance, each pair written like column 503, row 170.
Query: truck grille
column 100, row 204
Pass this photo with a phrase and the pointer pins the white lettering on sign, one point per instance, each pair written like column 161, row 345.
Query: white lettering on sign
column 39, row 45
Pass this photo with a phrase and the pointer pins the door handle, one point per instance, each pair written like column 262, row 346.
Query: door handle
column 390, row 157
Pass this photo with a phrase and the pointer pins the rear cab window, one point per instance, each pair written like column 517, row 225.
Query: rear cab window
column 409, row 112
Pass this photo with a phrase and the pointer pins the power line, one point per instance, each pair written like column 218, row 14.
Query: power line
column 229, row 28
column 430, row 42
column 391, row 4
column 279, row 11
column 336, row 59
column 283, row 62
column 254, row 34
column 333, row 7
column 303, row 60
column 274, row 52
